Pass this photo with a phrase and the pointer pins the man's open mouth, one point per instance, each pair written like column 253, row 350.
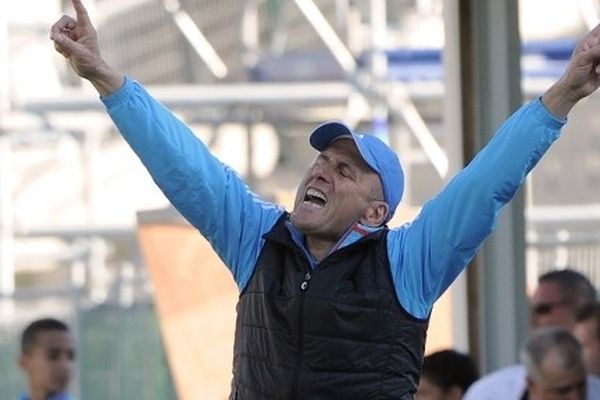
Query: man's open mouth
column 315, row 197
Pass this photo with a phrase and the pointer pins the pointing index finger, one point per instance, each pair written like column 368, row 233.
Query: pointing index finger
column 81, row 12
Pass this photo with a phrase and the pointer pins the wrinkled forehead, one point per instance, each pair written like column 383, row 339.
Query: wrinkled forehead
column 344, row 148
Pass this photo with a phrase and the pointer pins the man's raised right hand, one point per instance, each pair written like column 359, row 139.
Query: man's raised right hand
column 76, row 39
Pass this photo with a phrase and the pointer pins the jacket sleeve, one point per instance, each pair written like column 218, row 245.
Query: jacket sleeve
column 429, row 253
column 209, row 194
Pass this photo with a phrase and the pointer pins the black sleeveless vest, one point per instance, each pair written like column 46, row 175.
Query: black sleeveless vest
column 335, row 332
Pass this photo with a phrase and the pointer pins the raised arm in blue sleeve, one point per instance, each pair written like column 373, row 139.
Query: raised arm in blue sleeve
column 209, row 194
column 429, row 253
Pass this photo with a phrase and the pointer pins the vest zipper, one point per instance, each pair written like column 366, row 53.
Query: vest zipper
column 303, row 287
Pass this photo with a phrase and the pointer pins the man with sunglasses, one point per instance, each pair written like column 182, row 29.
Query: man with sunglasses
column 554, row 303
column 558, row 296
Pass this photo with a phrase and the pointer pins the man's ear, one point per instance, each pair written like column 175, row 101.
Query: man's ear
column 375, row 214
column 22, row 361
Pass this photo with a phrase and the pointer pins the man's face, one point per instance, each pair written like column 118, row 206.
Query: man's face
column 49, row 363
column 587, row 333
column 558, row 383
column 550, row 307
column 335, row 192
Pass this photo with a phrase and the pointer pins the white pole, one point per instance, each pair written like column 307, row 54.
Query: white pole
column 327, row 34
column 196, row 38
column 4, row 63
column 7, row 278
column 7, row 272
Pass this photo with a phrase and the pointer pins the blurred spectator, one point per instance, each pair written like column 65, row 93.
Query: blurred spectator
column 554, row 367
column 47, row 357
column 587, row 331
column 558, row 296
column 446, row 375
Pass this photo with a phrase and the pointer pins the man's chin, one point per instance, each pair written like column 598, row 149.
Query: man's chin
column 302, row 224
column 60, row 387
column 296, row 220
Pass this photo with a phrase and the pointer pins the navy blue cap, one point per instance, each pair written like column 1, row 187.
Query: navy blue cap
column 378, row 155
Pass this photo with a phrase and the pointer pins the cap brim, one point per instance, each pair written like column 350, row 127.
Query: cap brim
column 326, row 133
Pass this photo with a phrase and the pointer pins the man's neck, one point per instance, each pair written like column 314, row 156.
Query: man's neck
column 319, row 248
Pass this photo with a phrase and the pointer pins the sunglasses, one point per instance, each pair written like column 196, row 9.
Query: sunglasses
column 547, row 308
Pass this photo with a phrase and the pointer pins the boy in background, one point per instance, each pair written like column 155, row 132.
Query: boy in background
column 47, row 359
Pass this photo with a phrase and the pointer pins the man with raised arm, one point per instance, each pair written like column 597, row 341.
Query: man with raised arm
column 333, row 303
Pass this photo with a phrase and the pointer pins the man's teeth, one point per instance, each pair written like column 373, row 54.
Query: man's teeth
column 316, row 197
column 313, row 204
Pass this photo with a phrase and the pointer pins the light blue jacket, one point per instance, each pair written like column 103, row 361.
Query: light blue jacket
column 425, row 255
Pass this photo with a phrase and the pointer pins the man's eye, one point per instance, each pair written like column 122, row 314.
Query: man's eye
column 345, row 172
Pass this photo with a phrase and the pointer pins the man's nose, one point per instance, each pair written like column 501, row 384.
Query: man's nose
column 322, row 171
column 66, row 364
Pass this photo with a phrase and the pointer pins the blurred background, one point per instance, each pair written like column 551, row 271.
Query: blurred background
column 86, row 236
